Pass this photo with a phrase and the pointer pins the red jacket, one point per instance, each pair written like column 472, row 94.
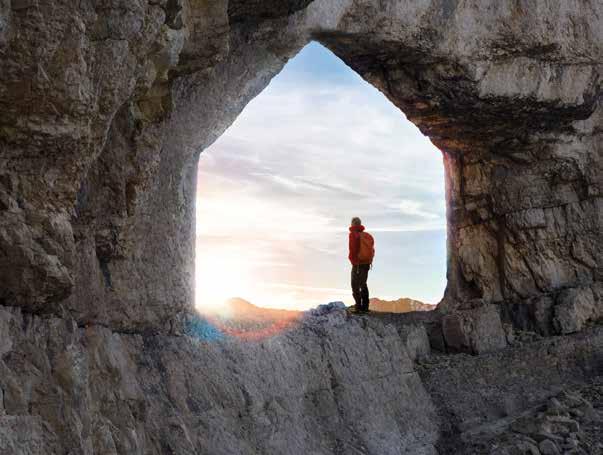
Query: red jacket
column 355, row 243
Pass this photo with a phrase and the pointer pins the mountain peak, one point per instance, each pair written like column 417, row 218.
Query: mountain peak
column 402, row 305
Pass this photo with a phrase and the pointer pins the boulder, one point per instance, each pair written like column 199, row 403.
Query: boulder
column 548, row 447
column 475, row 331
column 416, row 340
column 574, row 308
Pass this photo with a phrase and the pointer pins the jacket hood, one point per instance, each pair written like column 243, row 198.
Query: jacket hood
column 357, row 228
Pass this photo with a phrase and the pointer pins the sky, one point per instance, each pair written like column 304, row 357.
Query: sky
column 277, row 190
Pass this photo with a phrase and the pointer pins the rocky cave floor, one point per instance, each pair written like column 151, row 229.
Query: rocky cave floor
column 566, row 419
column 570, row 422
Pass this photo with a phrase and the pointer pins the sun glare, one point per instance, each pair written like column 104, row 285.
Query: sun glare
column 221, row 274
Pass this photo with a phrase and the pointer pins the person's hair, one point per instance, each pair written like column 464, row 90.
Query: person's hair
column 356, row 221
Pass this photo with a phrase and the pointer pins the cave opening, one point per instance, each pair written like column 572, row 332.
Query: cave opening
column 275, row 194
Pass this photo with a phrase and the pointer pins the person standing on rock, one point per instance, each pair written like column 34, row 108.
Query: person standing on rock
column 362, row 252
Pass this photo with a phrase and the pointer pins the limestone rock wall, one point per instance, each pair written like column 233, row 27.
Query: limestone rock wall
column 333, row 384
column 106, row 105
column 71, row 390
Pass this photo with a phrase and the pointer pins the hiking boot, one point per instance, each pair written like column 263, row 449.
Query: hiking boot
column 355, row 310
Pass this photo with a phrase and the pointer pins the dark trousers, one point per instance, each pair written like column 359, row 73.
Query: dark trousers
column 359, row 288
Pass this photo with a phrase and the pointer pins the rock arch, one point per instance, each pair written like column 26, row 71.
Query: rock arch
column 98, row 177
column 104, row 107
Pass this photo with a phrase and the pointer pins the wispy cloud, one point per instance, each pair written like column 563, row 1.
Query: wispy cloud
column 415, row 208
column 308, row 288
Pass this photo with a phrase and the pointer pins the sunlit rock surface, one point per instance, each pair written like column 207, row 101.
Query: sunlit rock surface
column 104, row 108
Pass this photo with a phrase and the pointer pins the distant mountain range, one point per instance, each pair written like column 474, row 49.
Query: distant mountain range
column 242, row 319
column 242, row 309
column 403, row 305
column 239, row 308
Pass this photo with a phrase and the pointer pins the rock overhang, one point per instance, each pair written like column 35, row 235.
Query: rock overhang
column 511, row 95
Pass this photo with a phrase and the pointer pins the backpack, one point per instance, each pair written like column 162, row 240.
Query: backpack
column 366, row 253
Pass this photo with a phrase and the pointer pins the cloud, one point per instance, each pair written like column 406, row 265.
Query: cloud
column 308, row 288
column 308, row 145
column 414, row 208
column 415, row 228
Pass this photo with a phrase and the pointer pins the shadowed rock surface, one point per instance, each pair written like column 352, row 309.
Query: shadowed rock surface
column 333, row 383
column 104, row 109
